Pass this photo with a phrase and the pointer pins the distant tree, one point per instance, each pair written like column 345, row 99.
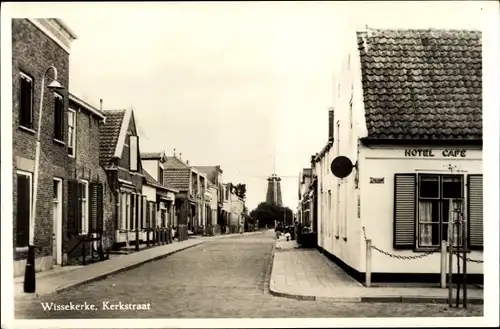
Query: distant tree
column 267, row 214
column 241, row 190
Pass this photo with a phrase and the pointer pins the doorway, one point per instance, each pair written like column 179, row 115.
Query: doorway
column 57, row 222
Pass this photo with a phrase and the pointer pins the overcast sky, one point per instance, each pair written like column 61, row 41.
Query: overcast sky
column 230, row 83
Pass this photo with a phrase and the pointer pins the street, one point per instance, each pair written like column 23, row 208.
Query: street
column 222, row 278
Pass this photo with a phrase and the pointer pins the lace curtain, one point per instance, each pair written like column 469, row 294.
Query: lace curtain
column 426, row 224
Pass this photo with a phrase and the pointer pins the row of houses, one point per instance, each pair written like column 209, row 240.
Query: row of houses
column 94, row 190
column 403, row 157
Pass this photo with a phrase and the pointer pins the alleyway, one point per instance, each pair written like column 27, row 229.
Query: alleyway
column 220, row 278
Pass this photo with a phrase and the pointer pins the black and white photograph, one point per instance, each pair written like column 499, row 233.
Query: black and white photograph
column 250, row 164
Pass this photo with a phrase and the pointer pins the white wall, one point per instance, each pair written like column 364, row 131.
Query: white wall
column 340, row 218
column 149, row 192
column 151, row 166
column 377, row 203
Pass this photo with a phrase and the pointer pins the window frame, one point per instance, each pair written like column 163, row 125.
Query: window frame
column 72, row 142
column 57, row 97
column 440, row 200
column 84, row 207
column 25, row 76
column 133, row 151
column 30, row 215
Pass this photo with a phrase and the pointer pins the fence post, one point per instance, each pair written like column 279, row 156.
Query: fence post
column 444, row 248
column 368, row 272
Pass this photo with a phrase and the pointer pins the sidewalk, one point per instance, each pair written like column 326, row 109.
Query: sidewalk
column 307, row 274
column 67, row 277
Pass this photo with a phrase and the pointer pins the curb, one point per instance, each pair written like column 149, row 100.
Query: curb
column 367, row 299
column 119, row 270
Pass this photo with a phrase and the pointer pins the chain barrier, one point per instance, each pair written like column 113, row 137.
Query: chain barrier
column 469, row 259
column 422, row 255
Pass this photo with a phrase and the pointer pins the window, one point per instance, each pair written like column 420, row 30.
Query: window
column 26, row 101
column 58, row 117
column 329, row 213
column 160, row 175
column 134, row 153
column 423, row 211
column 84, row 206
column 439, row 201
column 71, row 132
column 23, row 210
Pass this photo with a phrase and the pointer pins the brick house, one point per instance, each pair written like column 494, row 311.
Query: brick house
column 408, row 114
column 120, row 158
column 160, row 195
column 181, row 176
column 37, row 45
column 90, row 211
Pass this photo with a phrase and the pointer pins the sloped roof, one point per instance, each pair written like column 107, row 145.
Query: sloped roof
column 175, row 162
column 151, row 155
column 109, row 133
column 177, row 178
column 153, row 182
column 422, row 84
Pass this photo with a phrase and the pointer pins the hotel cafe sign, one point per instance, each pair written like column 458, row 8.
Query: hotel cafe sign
column 430, row 153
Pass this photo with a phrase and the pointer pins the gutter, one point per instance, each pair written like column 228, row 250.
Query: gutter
column 67, row 28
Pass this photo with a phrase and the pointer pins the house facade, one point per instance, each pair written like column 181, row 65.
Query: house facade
column 180, row 176
column 160, row 195
column 411, row 123
column 215, row 189
column 236, row 219
column 120, row 157
column 90, row 200
column 39, row 48
column 304, row 209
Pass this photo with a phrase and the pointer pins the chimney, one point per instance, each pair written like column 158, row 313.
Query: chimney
column 100, row 105
column 174, row 153
column 187, row 161
column 180, row 156
column 330, row 124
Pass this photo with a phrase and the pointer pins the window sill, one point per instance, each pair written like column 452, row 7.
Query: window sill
column 27, row 129
column 22, row 249
column 427, row 249
column 72, row 156
column 59, row 141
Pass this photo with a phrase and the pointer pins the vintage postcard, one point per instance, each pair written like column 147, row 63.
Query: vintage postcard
column 250, row 164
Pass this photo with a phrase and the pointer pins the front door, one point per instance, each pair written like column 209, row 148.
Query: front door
column 57, row 222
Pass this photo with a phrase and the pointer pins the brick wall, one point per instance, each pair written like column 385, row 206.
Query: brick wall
column 85, row 165
column 33, row 52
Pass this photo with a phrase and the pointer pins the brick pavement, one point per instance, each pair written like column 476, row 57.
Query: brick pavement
column 68, row 277
column 307, row 274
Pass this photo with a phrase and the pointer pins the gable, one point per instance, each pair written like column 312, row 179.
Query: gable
column 422, row 84
column 109, row 135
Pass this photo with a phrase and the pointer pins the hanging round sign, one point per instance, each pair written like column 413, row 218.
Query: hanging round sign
column 341, row 166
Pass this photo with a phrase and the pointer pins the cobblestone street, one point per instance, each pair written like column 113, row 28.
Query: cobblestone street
column 221, row 278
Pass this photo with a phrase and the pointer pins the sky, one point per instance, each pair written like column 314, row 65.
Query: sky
column 246, row 86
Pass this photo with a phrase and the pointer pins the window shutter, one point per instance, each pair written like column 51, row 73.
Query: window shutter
column 144, row 212
column 154, row 214
column 58, row 120
column 132, row 210
column 404, row 211
column 23, row 211
column 26, row 103
column 96, row 208
column 148, row 215
column 475, row 211
column 73, row 208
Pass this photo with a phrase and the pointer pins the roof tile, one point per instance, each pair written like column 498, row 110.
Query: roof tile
column 422, row 84
column 109, row 135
